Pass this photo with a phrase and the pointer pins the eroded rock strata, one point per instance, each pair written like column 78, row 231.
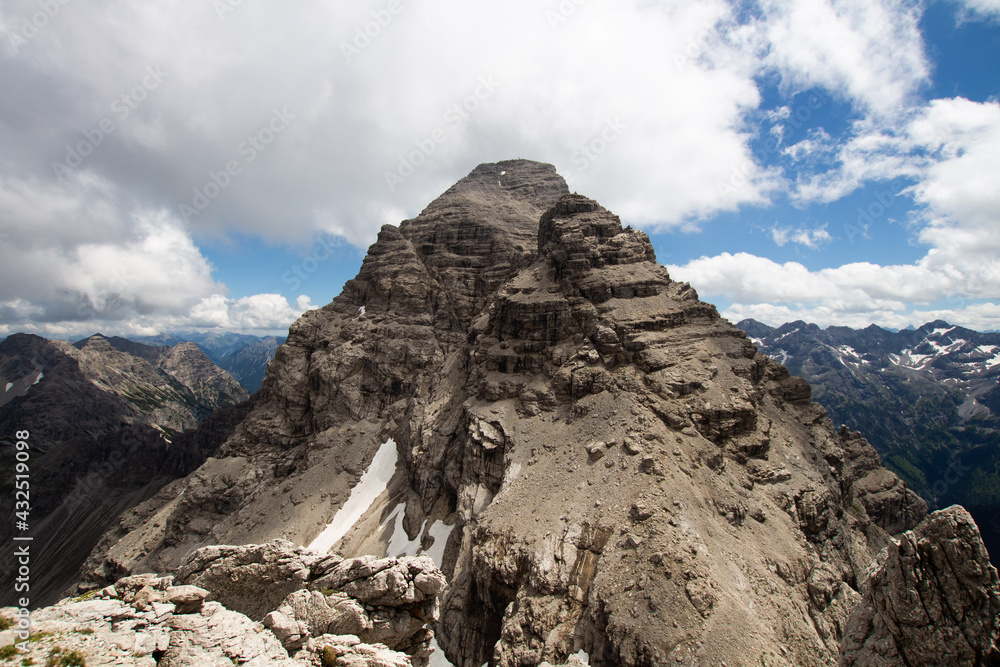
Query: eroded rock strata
column 617, row 470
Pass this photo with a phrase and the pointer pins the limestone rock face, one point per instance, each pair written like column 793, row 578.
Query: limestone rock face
column 934, row 601
column 251, row 579
column 150, row 620
column 598, row 461
column 300, row 594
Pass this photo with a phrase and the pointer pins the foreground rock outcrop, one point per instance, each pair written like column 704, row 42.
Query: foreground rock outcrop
column 935, row 600
column 299, row 594
column 601, row 464
column 377, row 619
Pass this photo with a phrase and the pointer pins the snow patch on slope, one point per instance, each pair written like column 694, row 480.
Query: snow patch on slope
column 786, row 335
column 849, row 356
column 372, row 484
column 19, row 387
column 437, row 658
column 440, row 533
column 946, row 349
column 909, row 359
column 400, row 545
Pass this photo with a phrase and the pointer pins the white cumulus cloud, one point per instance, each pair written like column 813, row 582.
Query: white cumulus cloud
column 952, row 146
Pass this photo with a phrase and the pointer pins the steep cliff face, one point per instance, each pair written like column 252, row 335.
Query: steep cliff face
column 105, row 418
column 596, row 459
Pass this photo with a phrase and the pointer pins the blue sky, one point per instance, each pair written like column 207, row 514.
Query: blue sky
column 225, row 165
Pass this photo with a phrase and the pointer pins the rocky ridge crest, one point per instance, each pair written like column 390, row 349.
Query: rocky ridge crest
column 377, row 617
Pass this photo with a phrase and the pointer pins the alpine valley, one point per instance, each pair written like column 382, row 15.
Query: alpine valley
column 927, row 399
column 110, row 421
column 514, row 440
column 244, row 356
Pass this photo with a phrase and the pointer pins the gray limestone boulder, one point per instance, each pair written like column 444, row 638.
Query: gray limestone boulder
column 934, row 601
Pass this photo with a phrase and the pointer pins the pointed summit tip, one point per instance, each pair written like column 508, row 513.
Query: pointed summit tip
column 524, row 188
column 515, row 176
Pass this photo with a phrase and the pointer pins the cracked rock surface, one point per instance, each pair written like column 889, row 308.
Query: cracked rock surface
column 378, row 619
column 934, row 601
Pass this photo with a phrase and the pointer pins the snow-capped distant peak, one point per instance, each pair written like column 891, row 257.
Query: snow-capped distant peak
column 940, row 332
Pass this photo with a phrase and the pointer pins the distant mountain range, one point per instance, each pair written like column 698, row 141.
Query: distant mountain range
column 928, row 399
column 245, row 356
column 110, row 422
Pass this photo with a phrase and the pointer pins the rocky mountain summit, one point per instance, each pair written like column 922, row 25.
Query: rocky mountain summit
column 605, row 470
column 106, row 418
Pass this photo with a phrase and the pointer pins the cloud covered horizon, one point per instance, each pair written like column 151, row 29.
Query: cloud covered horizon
column 134, row 135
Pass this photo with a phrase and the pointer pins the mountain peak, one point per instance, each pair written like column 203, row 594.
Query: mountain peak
column 513, row 386
column 463, row 246
column 509, row 194
column 936, row 324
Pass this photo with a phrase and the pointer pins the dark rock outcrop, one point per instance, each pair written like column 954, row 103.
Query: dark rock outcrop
column 105, row 419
